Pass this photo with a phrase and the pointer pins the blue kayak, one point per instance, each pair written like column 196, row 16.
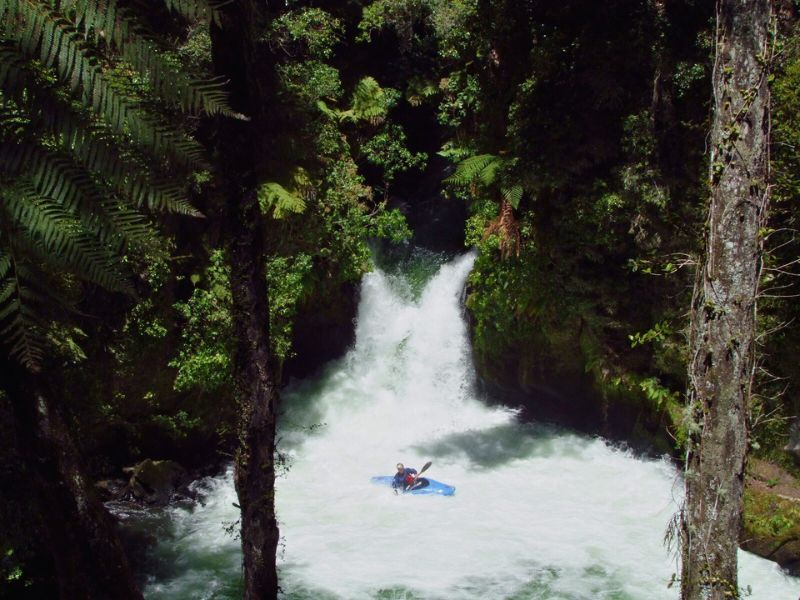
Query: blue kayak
column 424, row 486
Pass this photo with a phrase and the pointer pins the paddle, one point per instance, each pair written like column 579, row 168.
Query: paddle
column 414, row 481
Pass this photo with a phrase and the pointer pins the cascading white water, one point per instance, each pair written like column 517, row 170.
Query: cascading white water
column 538, row 513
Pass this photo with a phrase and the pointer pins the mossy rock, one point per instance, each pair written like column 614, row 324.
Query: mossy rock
column 154, row 481
column 771, row 524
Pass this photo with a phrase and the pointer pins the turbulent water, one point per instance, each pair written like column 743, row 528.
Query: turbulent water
column 538, row 513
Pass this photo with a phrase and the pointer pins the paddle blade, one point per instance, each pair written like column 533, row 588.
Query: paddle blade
column 424, row 468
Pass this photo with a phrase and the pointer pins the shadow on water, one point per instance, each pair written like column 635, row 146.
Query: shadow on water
column 543, row 584
column 302, row 405
column 502, row 444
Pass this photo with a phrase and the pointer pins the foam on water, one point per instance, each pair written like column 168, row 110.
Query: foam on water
column 538, row 513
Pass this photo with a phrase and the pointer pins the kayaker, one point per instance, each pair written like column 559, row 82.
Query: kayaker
column 404, row 477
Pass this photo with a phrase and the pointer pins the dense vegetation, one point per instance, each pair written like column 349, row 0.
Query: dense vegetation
column 574, row 139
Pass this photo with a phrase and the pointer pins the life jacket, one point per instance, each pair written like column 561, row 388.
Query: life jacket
column 409, row 478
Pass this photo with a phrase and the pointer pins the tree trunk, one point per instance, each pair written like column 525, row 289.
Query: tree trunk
column 242, row 152
column 81, row 536
column 724, row 304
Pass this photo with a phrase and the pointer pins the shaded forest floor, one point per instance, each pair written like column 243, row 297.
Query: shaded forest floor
column 769, row 477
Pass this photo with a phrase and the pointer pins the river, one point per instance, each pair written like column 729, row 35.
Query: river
column 538, row 513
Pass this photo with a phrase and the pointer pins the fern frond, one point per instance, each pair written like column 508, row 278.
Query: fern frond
column 92, row 144
column 24, row 335
column 329, row 112
column 369, row 102
column 54, row 234
column 274, row 198
column 195, row 10
column 512, row 195
column 116, row 29
column 53, row 176
column 5, row 264
column 482, row 167
column 20, row 328
column 47, row 35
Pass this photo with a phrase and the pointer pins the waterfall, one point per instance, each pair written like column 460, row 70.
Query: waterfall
column 538, row 512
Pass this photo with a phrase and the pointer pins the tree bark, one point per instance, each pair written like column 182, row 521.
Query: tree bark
column 81, row 536
column 722, row 337
column 243, row 150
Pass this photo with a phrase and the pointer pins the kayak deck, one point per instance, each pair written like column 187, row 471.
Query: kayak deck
column 432, row 487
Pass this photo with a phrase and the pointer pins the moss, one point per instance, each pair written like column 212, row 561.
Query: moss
column 768, row 515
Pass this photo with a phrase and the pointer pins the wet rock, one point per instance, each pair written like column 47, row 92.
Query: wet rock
column 786, row 553
column 155, row 481
column 110, row 489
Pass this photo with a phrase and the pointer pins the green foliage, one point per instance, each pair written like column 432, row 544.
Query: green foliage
column 65, row 343
column 390, row 225
column 203, row 360
column 447, row 20
column 178, row 426
column 482, row 168
column 289, row 282
column 657, row 393
column 606, row 178
column 657, row 333
column 310, row 84
column 399, row 15
column 196, row 10
column 461, row 97
column 312, row 28
column 776, row 387
column 12, row 570
column 388, row 150
column 687, row 75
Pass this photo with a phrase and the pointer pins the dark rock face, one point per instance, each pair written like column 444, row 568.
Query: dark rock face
column 574, row 404
column 323, row 332
column 793, row 444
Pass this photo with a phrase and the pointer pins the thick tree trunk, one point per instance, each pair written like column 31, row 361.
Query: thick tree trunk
column 242, row 153
column 255, row 466
column 89, row 559
column 723, row 309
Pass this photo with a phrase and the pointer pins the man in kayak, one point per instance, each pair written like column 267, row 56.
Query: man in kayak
column 404, row 477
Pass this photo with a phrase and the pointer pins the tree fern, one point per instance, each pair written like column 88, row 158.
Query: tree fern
column 483, row 168
column 369, row 101
column 47, row 35
column 493, row 173
column 276, row 200
column 91, row 143
column 80, row 152
column 54, row 235
column 512, row 194
column 116, row 29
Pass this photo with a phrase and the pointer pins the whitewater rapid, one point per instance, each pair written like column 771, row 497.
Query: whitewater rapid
column 538, row 512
